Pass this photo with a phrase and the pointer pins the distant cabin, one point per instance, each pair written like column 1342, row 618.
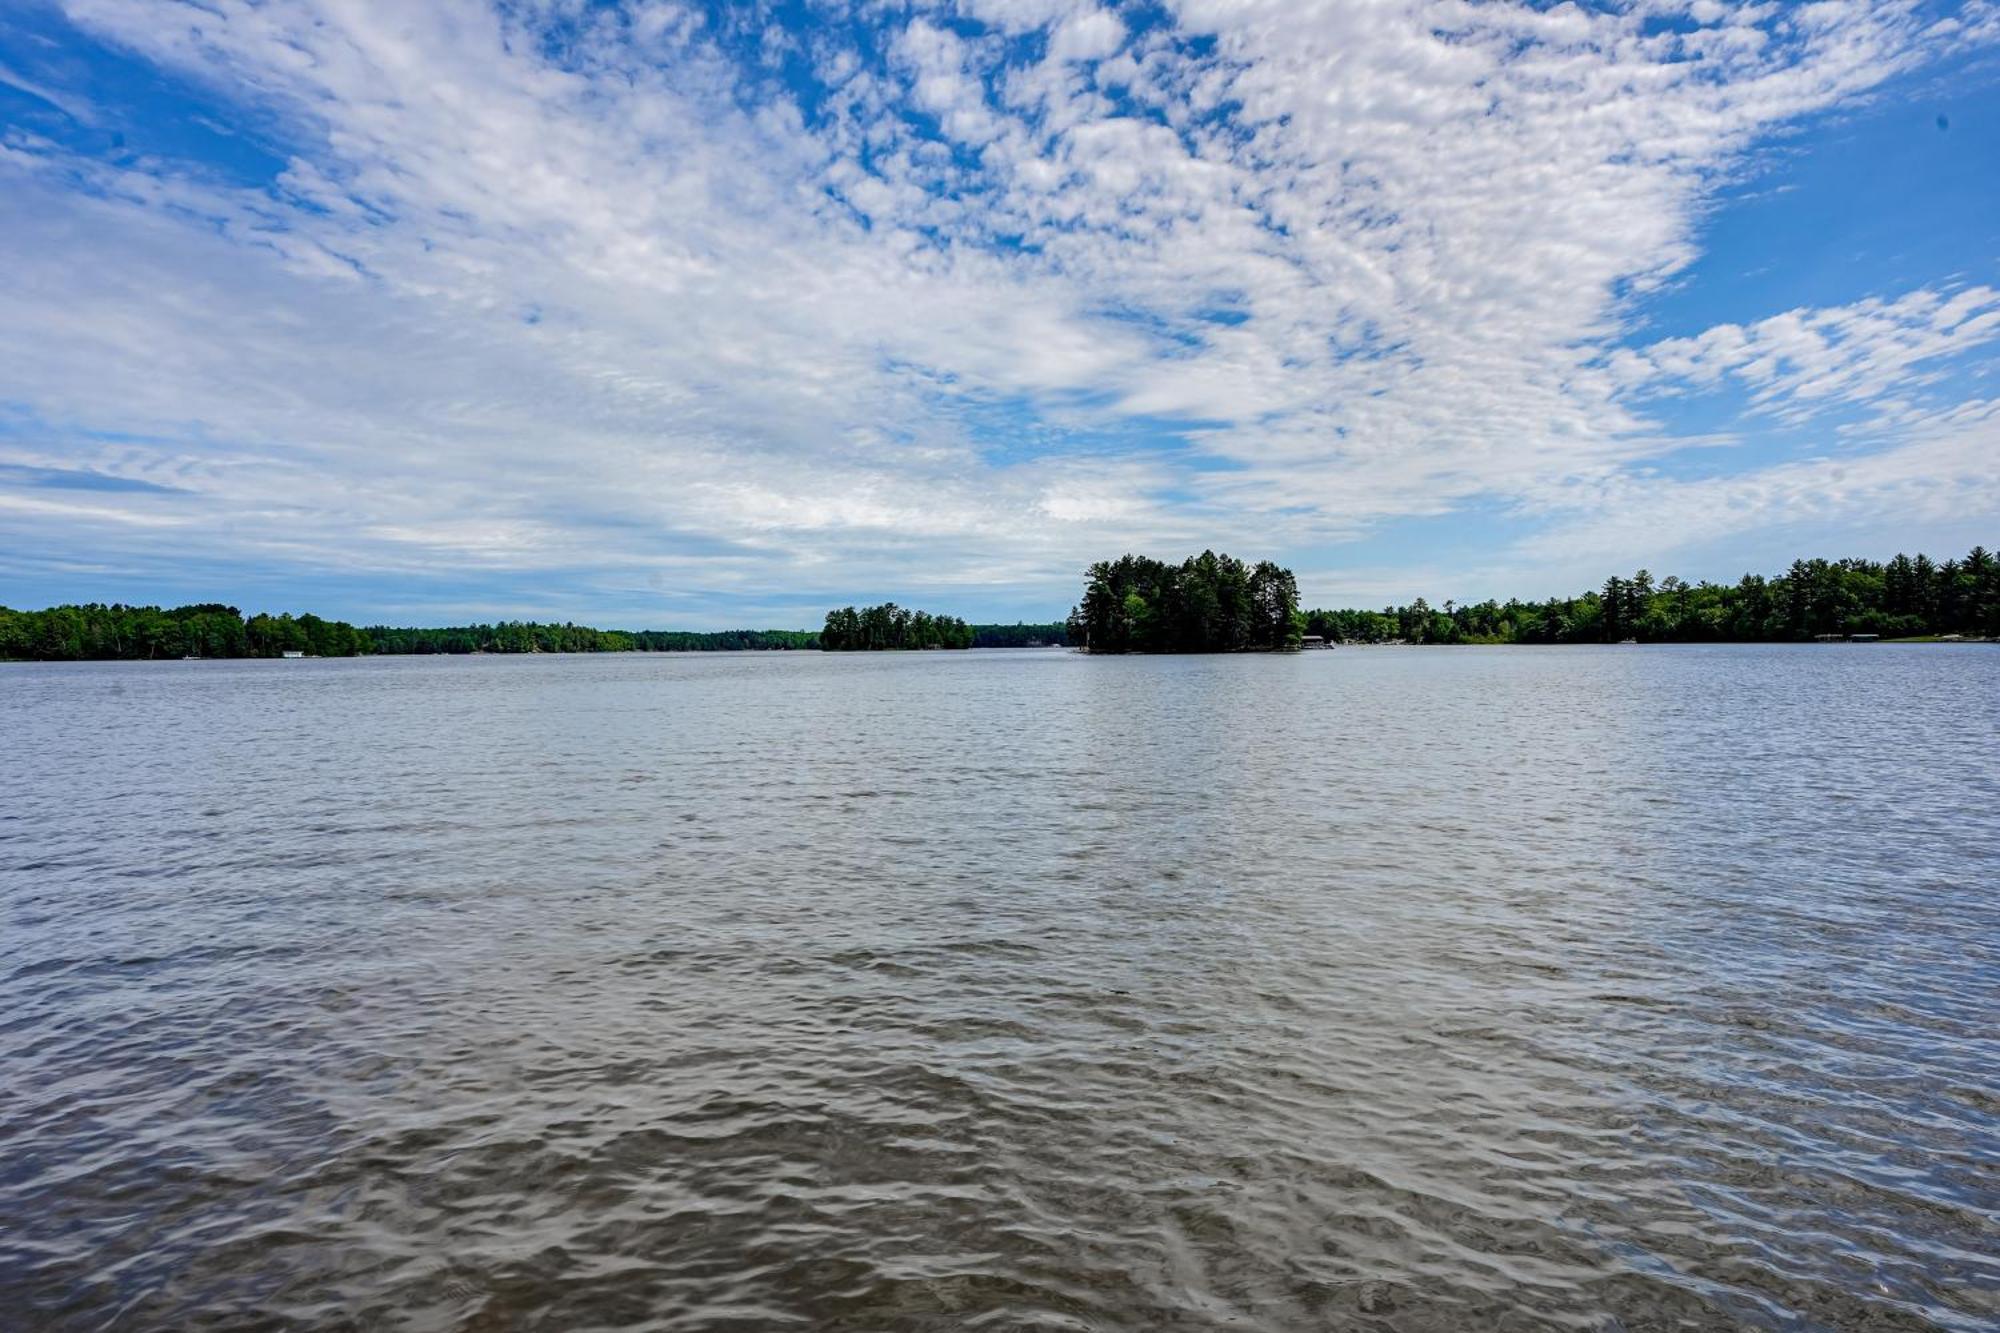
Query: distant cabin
column 293, row 652
column 1313, row 641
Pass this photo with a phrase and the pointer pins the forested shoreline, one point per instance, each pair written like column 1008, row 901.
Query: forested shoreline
column 1047, row 634
column 1904, row 597
column 527, row 636
column 116, row 632
column 1209, row 603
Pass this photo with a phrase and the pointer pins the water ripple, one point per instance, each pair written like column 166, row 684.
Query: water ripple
column 1402, row 989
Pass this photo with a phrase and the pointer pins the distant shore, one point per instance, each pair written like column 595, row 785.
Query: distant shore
column 1920, row 639
column 1208, row 603
column 116, row 632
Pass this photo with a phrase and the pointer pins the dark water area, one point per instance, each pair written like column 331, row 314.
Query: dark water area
column 1398, row 989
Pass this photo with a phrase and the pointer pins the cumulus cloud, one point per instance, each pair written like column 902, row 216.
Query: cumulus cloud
column 611, row 292
column 1088, row 34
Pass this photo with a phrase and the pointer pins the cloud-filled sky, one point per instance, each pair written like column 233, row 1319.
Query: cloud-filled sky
column 662, row 314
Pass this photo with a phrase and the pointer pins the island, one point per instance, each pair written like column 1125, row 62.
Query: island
column 1208, row 603
column 890, row 628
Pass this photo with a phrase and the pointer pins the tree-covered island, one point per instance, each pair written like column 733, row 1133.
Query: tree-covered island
column 1208, row 603
column 889, row 627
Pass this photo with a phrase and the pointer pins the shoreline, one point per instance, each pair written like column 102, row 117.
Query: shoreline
column 1922, row 641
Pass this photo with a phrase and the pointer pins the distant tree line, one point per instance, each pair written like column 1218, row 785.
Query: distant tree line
column 98, row 631
column 1054, row 634
column 1906, row 597
column 527, row 636
column 1208, row 603
column 889, row 627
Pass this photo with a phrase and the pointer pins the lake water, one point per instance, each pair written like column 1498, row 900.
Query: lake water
column 1411, row 989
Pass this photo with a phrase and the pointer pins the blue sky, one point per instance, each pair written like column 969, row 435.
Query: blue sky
column 656, row 314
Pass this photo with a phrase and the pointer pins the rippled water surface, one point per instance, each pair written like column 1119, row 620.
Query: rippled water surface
column 1641, row 988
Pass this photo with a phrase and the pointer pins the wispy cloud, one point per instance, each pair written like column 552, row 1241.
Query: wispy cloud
column 1802, row 362
column 76, row 108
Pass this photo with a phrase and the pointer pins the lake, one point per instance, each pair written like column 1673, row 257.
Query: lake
column 1400, row 988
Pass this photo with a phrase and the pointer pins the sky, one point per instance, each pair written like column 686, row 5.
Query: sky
column 653, row 314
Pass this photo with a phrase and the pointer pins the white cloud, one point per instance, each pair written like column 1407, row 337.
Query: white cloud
column 619, row 303
column 1088, row 34
column 1940, row 471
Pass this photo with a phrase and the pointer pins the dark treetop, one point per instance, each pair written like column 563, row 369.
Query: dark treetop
column 1208, row 603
